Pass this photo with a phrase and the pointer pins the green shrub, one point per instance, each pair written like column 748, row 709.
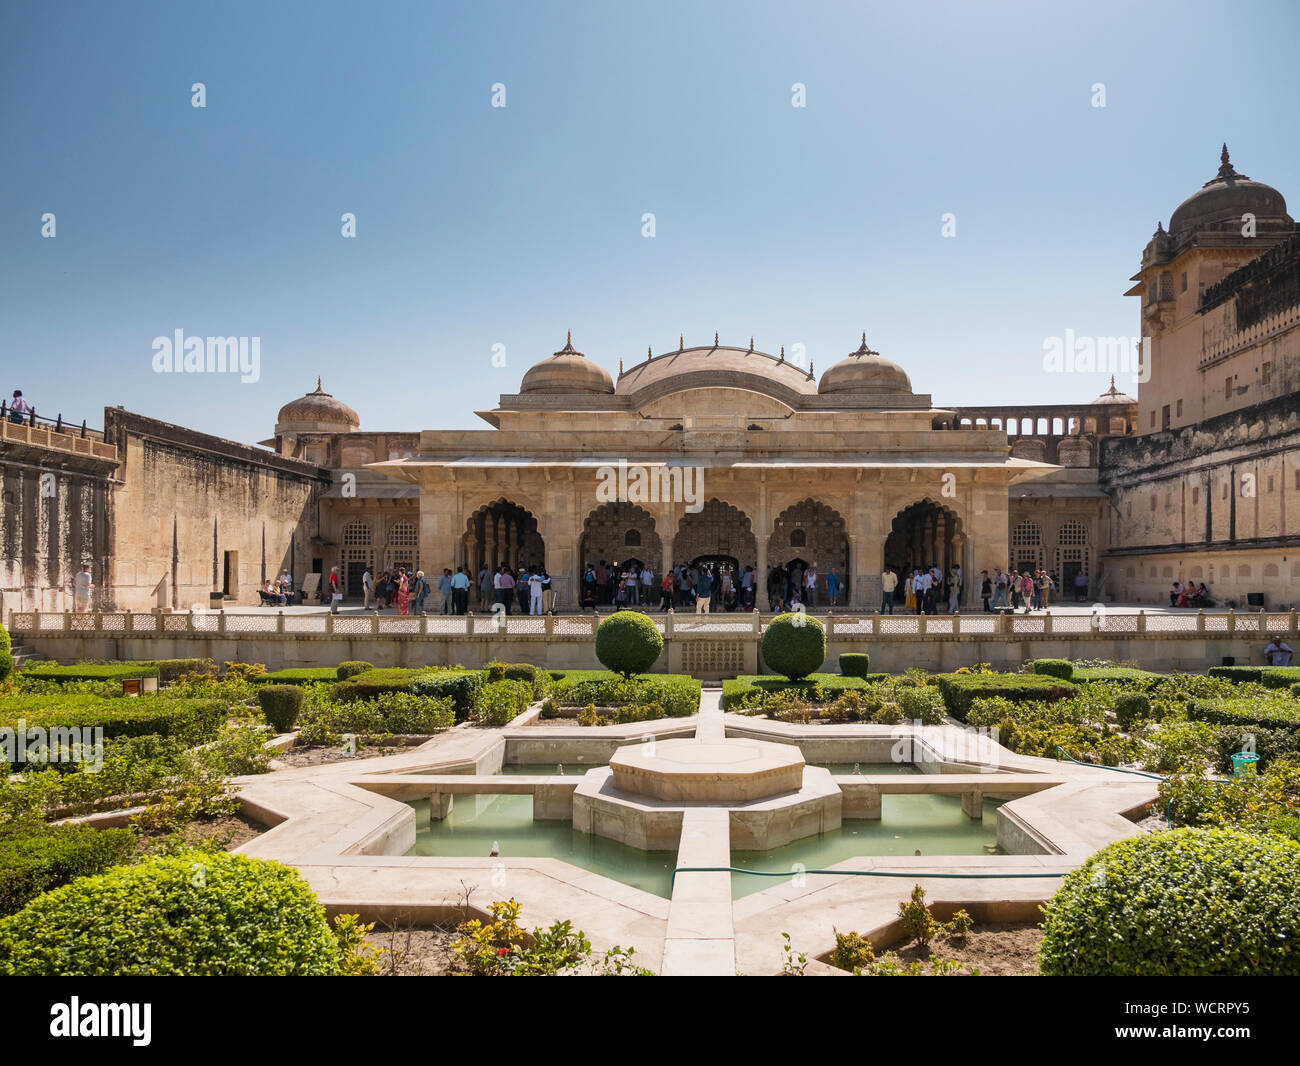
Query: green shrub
column 1132, row 708
column 678, row 694
column 1268, row 676
column 959, row 691
column 917, row 921
column 752, row 690
column 628, row 643
column 921, row 704
column 1287, row 825
column 852, row 951
column 1062, row 668
column 1273, row 711
column 351, row 668
column 298, row 675
column 191, row 719
column 90, row 672
column 373, row 683
column 191, row 914
column 280, row 705
column 404, row 713
column 503, row 701
column 463, row 687
column 1118, row 674
column 794, row 645
column 855, row 664
column 6, row 657
column 37, row 858
column 170, row 670
column 1186, row 902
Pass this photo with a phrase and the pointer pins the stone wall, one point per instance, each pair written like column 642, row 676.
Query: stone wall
column 193, row 514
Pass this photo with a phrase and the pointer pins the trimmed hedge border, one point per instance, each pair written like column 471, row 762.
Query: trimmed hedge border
column 1268, row 676
column 90, row 672
column 959, row 691
column 36, row 860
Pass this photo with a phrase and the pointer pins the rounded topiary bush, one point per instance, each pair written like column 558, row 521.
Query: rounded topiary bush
column 1132, row 708
column 191, row 914
column 855, row 664
column 1061, row 668
column 628, row 643
column 794, row 645
column 351, row 668
column 280, row 705
column 1180, row 902
column 6, row 659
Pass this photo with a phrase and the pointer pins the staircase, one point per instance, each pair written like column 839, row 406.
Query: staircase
column 21, row 653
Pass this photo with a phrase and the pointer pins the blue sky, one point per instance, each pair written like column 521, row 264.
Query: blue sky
column 479, row 226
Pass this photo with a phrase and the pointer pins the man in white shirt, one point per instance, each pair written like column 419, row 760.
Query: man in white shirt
column 647, row 585
column 1278, row 653
column 632, row 582
column 367, row 588
column 535, row 593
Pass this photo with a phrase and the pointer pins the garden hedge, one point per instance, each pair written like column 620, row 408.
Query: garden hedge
column 90, row 671
column 628, row 643
column 959, row 691
column 855, row 664
column 351, row 668
column 280, row 705
column 794, row 645
column 372, row 683
column 1268, row 676
column 740, row 691
column 1086, row 674
column 192, row 914
column 300, row 675
column 1182, row 902
column 503, row 701
column 35, row 859
column 6, row 657
column 677, row 694
column 1274, row 712
column 1132, row 708
column 463, row 687
column 1062, row 668
column 194, row 720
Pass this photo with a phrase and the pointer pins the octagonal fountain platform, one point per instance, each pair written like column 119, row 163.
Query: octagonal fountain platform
column 771, row 796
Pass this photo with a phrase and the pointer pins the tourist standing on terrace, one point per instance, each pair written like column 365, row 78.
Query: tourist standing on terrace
column 20, row 409
column 420, row 591
column 336, row 591
column 1278, row 653
column 888, row 583
column 535, row 592
column 485, row 588
column 986, row 590
column 82, row 585
column 954, row 590
column 367, row 588
column 647, row 585
column 1001, row 588
column 1080, row 587
column 833, row 587
column 460, row 591
column 504, row 584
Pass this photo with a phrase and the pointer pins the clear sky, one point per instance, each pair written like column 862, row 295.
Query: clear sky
column 479, row 226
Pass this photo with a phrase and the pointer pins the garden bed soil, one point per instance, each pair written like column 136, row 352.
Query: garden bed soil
column 320, row 754
column 413, row 951
column 227, row 830
column 1008, row 949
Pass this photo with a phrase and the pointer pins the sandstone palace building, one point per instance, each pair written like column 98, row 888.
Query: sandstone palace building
column 768, row 464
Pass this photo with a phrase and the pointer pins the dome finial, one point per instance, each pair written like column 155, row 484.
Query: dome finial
column 681, row 342
column 1223, row 156
column 715, row 338
column 751, row 343
column 782, row 353
column 810, row 369
column 620, row 368
column 649, row 353
column 318, row 385
column 1227, row 172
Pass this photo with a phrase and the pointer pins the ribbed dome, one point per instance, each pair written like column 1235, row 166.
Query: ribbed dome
column 864, row 371
column 568, row 370
column 1224, row 199
column 316, row 411
column 1113, row 395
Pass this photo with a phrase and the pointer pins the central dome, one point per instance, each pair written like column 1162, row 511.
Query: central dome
column 865, row 371
column 1224, row 199
column 568, row 370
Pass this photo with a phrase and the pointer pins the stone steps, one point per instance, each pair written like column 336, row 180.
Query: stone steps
column 21, row 653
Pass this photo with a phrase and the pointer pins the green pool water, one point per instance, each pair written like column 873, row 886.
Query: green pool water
column 933, row 824
column 477, row 823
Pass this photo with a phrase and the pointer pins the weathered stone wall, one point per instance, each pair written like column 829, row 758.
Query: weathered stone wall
column 193, row 514
column 1217, row 502
column 53, row 516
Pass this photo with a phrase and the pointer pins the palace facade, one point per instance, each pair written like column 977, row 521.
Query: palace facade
column 768, row 465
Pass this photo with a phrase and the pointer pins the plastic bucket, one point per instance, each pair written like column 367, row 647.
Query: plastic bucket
column 1243, row 763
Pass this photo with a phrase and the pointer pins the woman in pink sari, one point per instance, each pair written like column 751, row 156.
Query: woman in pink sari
column 403, row 595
